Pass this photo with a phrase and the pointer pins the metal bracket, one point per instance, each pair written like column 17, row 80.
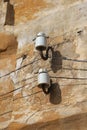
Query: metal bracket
column 47, row 90
column 45, row 57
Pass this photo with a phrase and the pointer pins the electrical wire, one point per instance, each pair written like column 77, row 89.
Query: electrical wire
column 10, row 96
column 64, row 58
column 19, row 68
column 16, row 89
column 36, row 80
column 68, row 78
column 75, row 60
column 20, row 98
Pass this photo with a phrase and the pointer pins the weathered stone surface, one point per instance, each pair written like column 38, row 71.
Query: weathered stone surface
column 75, row 122
column 8, row 48
column 27, row 107
column 7, row 41
column 3, row 9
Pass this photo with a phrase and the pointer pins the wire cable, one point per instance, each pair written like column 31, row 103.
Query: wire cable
column 64, row 58
column 19, row 68
column 16, row 89
column 68, row 78
column 36, row 80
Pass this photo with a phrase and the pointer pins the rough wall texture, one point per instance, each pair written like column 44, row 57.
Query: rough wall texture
column 24, row 106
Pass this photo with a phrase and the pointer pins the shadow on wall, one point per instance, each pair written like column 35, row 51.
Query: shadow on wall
column 56, row 62
column 9, row 20
column 55, row 94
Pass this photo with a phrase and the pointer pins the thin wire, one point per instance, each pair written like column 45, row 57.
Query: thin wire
column 23, row 80
column 16, row 89
column 27, row 95
column 80, row 69
column 68, row 78
column 63, row 58
column 74, row 84
column 19, row 68
column 32, row 77
column 36, row 80
column 5, row 98
column 49, row 69
column 19, row 98
column 75, row 60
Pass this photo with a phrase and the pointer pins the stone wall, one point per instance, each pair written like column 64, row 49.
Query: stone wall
column 24, row 105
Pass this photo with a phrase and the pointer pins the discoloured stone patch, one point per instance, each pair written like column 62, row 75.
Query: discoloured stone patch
column 26, row 9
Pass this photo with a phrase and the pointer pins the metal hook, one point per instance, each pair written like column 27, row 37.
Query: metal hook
column 45, row 57
column 47, row 90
